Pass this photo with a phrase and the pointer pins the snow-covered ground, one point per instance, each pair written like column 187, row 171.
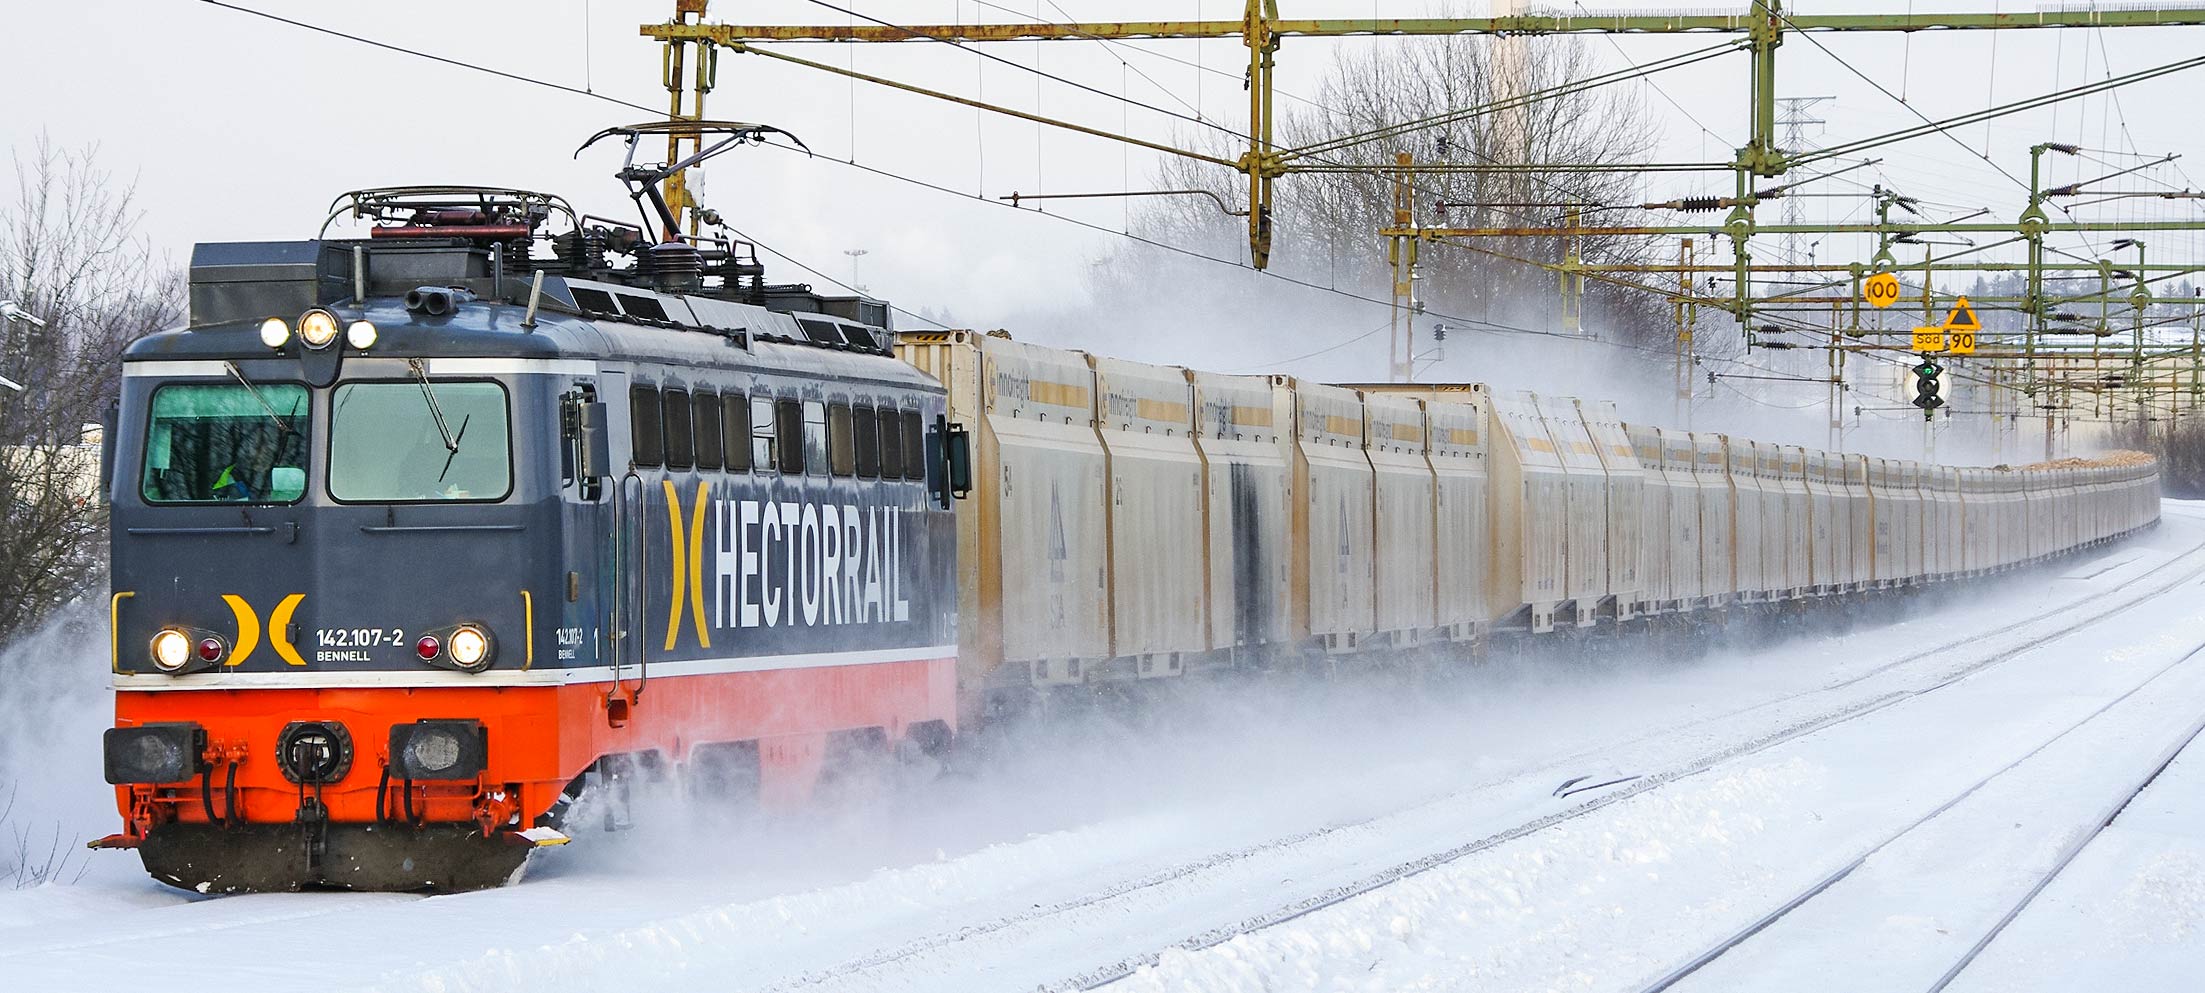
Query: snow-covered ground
column 1919, row 775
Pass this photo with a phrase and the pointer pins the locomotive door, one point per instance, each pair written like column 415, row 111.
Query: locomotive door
column 630, row 556
column 623, row 576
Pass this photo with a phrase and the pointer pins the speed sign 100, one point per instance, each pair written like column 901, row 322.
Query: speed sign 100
column 1881, row 289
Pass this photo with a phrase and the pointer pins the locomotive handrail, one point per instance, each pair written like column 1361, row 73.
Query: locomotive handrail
column 379, row 201
column 642, row 591
column 616, row 609
column 631, row 586
column 443, row 528
column 232, row 529
column 114, row 627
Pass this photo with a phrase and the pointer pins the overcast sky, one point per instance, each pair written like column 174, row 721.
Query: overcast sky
column 235, row 127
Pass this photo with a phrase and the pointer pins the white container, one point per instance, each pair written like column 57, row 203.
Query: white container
column 1626, row 484
column 1407, row 554
column 1154, row 516
column 1530, row 517
column 1247, row 492
column 1334, row 569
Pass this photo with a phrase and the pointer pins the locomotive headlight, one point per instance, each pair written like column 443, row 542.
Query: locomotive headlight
column 438, row 749
column 360, row 334
column 470, row 647
column 171, row 650
column 273, row 332
column 162, row 752
column 317, row 328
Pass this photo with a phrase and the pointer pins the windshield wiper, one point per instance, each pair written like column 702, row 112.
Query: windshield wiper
column 451, row 444
column 281, row 425
column 454, row 453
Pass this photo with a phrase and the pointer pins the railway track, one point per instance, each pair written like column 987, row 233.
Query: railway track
column 1365, row 841
column 2101, row 606
column 2067, row 855
column 1282, row 914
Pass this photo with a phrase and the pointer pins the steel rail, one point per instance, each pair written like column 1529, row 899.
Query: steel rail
column 1109, row 974
column 1166, row 876
column 2067, row 857
column 1762, row 923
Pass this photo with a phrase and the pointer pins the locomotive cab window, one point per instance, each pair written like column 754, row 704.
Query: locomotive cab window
column 415, row 441
column 227, row 444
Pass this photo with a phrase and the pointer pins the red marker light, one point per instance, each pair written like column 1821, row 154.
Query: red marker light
column 211, row 650
column 428, row 647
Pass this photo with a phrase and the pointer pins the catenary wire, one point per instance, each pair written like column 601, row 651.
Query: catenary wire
column 1467, row 323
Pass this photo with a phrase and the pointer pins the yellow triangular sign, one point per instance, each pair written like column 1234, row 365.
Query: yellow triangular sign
column 1962, row 318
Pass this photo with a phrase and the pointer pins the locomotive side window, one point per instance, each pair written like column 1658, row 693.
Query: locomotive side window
column 765, row 439
column 788, row 435
column 679, row 449
column 394, row 442
column 815, row 438
column 643, row 418
column 839, row 447
column 867, row 439
column 219, row 444
column 707, row 409
column 914, row 446
column 891, row 443
column 735, row 431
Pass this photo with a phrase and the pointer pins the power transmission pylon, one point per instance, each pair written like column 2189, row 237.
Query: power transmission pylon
column 1794, row 120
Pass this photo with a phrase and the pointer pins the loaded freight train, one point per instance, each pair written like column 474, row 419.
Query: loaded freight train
column 1137, row 521
column 418, row 535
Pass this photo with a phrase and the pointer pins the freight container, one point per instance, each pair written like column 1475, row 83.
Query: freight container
column 1153, row 511
column 1626, row 483
column 1654, row 563
column 1586, row 487
column 1530, row 514
column 1247, row 490
column 1684, row 539
column 1406, row 550
column 1333, row 550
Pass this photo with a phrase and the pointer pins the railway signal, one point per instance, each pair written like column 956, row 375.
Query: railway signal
column 1926, row 386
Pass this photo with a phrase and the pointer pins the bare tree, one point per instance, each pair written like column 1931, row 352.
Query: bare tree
column 70, row 257
column 1327, row 223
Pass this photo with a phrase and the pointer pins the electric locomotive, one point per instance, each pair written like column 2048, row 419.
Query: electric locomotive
column 417, row 534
